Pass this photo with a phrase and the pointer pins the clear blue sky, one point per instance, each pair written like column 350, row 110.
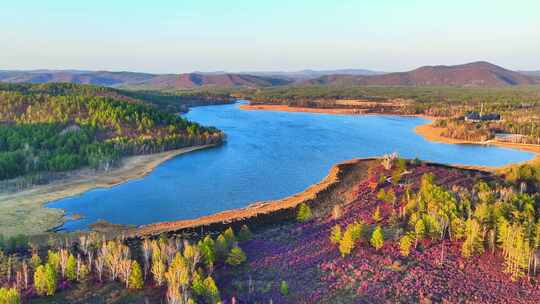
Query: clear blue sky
column 244, row 35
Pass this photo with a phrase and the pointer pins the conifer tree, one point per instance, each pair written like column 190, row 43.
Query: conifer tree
column 244, row 234
column 71, row 268
column 419, row 230
column 45, row 280
column 197, row 284
column 211, row 291
column 377, row 238
column 9, row 296
column 236, row 257
column 221, row 247
column 136, row 276
column 206, row 246
column 229, row 236
column 335, row 234
column 346, row 244
column 377, row 215
column 473, row 243
column 405, row 243
column 284, row 288
column 304, row 213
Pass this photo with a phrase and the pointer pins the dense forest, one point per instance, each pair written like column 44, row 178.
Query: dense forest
column 59, row 127
column 519, row 106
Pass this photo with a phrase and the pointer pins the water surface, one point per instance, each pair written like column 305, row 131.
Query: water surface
column 269, row 155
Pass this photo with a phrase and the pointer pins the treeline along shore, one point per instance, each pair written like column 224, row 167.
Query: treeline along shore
column 61, row 139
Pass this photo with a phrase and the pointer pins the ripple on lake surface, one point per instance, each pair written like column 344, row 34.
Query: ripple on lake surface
column 269, row 155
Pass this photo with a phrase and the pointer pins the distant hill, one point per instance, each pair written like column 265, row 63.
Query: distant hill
column 102, row 78
column 531, row 73
column 143, row 80
column 471, row 74
column 311, row 74
column 191, row 80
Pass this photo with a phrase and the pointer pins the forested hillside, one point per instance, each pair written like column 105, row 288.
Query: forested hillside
column 58, row 127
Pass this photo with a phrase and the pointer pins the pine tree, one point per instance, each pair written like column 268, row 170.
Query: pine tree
column 221, row 248
column 346, row 244
column 357, row 229
column 377, row 238
column 211, row 291
column 136, row 276
column 473, row 243
column 236, row 257
column 229, row 236
column 377, row 215
column 9, row 296
column 71, row 268
column 158, row 270
column 206, row 246
column 45, row 280
column 405, row 243
column 419, row 230
column 197, row 284
column 53, row 259
column 335, row 234
column 304, row 213
column 284, row 288
column 244, row 234
column 35, row 260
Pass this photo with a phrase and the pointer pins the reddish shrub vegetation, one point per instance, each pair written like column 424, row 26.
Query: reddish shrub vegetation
column 302, row 255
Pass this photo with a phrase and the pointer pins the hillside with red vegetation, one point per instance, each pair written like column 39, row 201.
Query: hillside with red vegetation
column 481, row 74
column 302, row 255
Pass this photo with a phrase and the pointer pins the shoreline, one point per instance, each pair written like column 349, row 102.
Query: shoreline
column 321, row 196
column 264, row 212
column 427, row 131
column 25, row 211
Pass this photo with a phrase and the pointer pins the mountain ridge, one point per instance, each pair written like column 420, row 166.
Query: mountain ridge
column 479, row 73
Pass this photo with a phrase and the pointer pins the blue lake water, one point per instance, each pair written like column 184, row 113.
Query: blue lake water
column 268, row 155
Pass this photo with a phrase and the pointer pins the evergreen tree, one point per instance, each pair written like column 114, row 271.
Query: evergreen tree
column 244, row 234
column 405, row 243
column 53, row 259
column 211, row 291
column 136, row 276
column 45, row 280
column 9, row 296
column 284, row 288
column 229, row 236
column 346, row 244
column 197, row 284
column 335, row 234
column 221, row 248
column 473, row 243
column 304, row 213
column 377, row 214
column 206, row 246
column 35, row 260
column 419, row 230
column 71, row 268
column 377, row 238
column 236, row 256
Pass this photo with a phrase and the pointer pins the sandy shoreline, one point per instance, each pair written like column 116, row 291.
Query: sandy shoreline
column 24, row 211
column 284, row 108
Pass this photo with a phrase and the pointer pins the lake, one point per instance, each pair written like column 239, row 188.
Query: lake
column 268, row 155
